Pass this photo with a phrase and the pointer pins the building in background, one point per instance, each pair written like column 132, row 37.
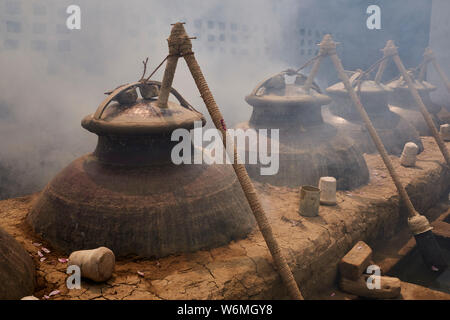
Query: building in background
column 407, row 22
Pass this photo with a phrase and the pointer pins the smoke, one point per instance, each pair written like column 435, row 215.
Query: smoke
column 44, row 95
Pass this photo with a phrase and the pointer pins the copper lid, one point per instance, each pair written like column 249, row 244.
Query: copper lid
column 142, row 117
column 274, row 91
column 367, row 87
column 421, row 86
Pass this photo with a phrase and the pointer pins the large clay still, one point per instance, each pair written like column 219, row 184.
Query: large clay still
column 403, row 104
column 393, row 130
column 130, row 197
column 309, row 148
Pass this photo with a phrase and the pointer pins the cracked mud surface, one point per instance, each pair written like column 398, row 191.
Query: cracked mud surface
column 244, row 269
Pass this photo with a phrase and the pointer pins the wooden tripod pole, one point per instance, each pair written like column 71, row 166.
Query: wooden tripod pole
column 381, row 68
column 171, row 66
column 185, row 50
column 392, row 50
column 312, row 74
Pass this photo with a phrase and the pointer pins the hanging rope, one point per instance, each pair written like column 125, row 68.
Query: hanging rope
column 308, row 63
column 156, row 69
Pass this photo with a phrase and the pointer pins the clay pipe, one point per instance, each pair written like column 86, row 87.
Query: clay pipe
column 392, row 50
column 418, row 224
column 185, row 50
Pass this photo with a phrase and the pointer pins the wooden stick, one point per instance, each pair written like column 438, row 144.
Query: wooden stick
column 422, row 108
column 185, row 50
column 381, row 68
column 171, row 65
column 312, row 74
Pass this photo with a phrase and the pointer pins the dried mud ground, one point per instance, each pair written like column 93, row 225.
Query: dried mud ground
column 244, row 269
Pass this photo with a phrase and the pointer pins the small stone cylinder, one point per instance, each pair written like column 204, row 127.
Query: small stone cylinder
column 97, row 264
column 409, row 155
column 309, row 201
column 29, row 298
column 327, row 186
column 445, row 132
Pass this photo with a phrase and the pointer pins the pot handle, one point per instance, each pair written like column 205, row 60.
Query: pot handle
column 112, row 95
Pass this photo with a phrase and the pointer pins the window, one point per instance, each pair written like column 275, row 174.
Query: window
column 222, row 37
column 221, row 25
column 302, row 42
column 13, row 26
column 13, row 7
column 210, row 24
column 233, row 39
column 198, row 23
column 211, row 38
column 63, row 45
column 39, row 9
column 11, row 44
column 38, row 45
column 234, row 26
column 39, row 28
column 302, row 32
column 61, row 29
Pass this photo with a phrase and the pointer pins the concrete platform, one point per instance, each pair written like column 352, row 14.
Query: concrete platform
column 244, row 269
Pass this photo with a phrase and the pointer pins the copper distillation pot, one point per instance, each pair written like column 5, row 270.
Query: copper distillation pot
column 393, row 129
column 309, row 148
column 402, row 103
column 129, row 196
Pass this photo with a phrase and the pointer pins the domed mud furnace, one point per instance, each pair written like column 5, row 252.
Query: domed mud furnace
column 403, row 103
column 309, row 148
column 130, row 197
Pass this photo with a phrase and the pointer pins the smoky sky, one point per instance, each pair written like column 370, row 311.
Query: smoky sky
column 44, row 95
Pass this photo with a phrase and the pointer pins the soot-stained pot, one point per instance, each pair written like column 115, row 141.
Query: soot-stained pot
column 393, row 129
column 402, row 102
column 309, row 148
column 17, row 270
column 129, row 196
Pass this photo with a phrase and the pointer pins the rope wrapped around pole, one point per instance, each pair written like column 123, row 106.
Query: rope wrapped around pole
column 185, row 50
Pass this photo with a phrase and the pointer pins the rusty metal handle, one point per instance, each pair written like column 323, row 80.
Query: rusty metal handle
column 102, row 107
